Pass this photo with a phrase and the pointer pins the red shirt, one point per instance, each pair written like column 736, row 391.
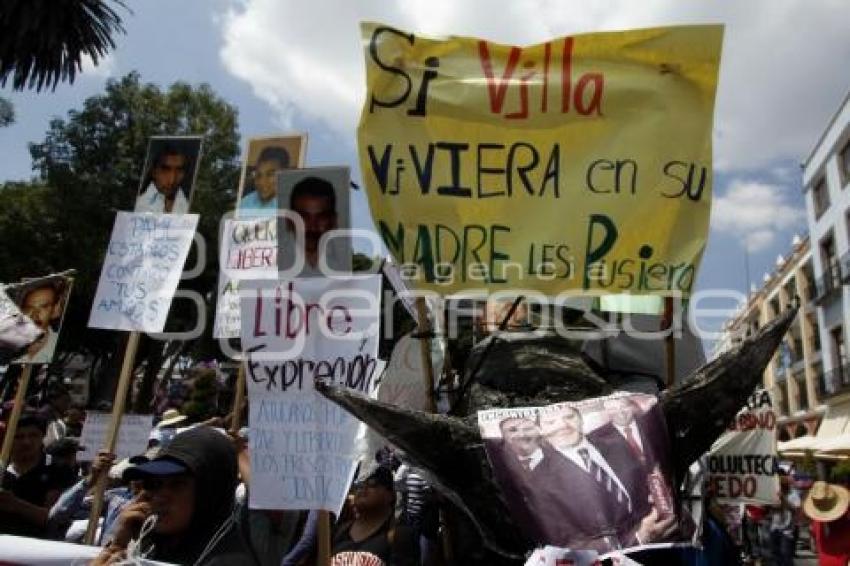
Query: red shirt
column 833, row 541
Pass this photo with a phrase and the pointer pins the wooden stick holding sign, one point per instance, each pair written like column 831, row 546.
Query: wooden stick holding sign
column 112, row 435
column 323, row 556
column 238, row 400
column 12, row 426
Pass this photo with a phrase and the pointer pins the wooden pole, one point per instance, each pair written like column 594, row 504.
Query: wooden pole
column 112, row 434
column 238, row 400
column 323, row 556
column 12, row 425
column 670, row 341
column 424, row 331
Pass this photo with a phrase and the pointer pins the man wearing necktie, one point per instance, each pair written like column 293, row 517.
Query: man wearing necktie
column 594, row 508
column 635, row 444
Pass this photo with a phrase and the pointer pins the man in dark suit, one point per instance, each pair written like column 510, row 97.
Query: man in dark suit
column 595, row 510
column 514, row 459
column 636, row 445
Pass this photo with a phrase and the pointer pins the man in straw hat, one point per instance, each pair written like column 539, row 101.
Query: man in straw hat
column 826, row 505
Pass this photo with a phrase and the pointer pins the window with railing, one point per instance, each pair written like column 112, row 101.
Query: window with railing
column 831, row 279
column 815, row 334
column 802, row 392
column 834, row 382
column 844, row 164
column 782, row 403
column 809, row 281
column 820, row 196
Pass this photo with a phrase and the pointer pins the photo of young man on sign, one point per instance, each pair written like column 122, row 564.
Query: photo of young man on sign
column 44, row 301
column 169, row 174
column 266, row 157
column 591, row 475
column 318, row 197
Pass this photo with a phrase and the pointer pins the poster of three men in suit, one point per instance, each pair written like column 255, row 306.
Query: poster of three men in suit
column 594, row 474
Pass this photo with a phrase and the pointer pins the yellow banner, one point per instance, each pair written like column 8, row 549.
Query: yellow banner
column 582, row 164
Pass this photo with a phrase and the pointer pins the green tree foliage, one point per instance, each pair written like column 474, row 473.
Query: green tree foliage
column 203, row 401
column 43, row 42
column 90, row 166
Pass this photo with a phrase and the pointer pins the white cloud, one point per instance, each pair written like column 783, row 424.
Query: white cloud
column 756, row 213
column 104, row 69
column 781, row 79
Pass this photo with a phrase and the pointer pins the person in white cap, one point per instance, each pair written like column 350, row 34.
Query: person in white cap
column 827, row 506
column 166, row 428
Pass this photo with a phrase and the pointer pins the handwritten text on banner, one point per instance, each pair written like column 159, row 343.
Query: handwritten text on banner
column 141, row 270
column 294, row 332
column 582, row 164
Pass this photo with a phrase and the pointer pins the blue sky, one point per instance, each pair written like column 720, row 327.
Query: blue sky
column 290, row 65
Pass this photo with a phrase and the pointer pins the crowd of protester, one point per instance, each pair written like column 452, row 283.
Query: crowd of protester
column 195, row 479
column 185, row 501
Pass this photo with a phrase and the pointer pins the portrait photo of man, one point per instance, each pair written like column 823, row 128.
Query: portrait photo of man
column 318, row 199
column 44, row 302
column 169, row 175
column 265, row 158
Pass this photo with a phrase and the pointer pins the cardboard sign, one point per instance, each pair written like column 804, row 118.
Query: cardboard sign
column 248, row 250
column 243, row 255
column 141, row 270
column 582, row 164
column 742, row 464
column 314, row 236
column 585, row 475
column 293, row 333
column 43, row 301
column 132, row 436
column 168, row 179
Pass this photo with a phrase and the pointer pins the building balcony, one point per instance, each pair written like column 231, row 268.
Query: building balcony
column 830, row 284
column 834, row 382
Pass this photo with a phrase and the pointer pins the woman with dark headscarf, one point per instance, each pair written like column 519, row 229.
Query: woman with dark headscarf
column 189, row 487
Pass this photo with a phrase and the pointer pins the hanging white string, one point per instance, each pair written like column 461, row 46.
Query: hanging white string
column 135, row 555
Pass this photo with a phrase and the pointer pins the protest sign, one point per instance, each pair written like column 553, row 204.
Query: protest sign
column 593, row 474
column 742, row 464
column 141, row 270
column 132, row 436
column 404, row 383
column 168, row 178
column 248, row 250
column 17, row 331
column 245, row 255
column 582, row 164
column 44, row 301
column 314, row 238
column 294, row 332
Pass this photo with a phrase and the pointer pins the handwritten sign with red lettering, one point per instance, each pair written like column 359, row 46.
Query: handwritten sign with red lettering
column 579, row 165
column 742, row 463
column 296, row 332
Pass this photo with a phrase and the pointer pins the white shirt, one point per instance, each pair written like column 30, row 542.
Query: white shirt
column 571, row 452
column 45, row 354
column 151, row 200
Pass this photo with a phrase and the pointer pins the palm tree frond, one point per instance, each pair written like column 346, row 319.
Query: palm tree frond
column 43, row 42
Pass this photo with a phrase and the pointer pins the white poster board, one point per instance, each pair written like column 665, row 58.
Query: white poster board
column 742, row 463
column 141, row 270
column 247, row 250
column 303, row 446
column 132, row 436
